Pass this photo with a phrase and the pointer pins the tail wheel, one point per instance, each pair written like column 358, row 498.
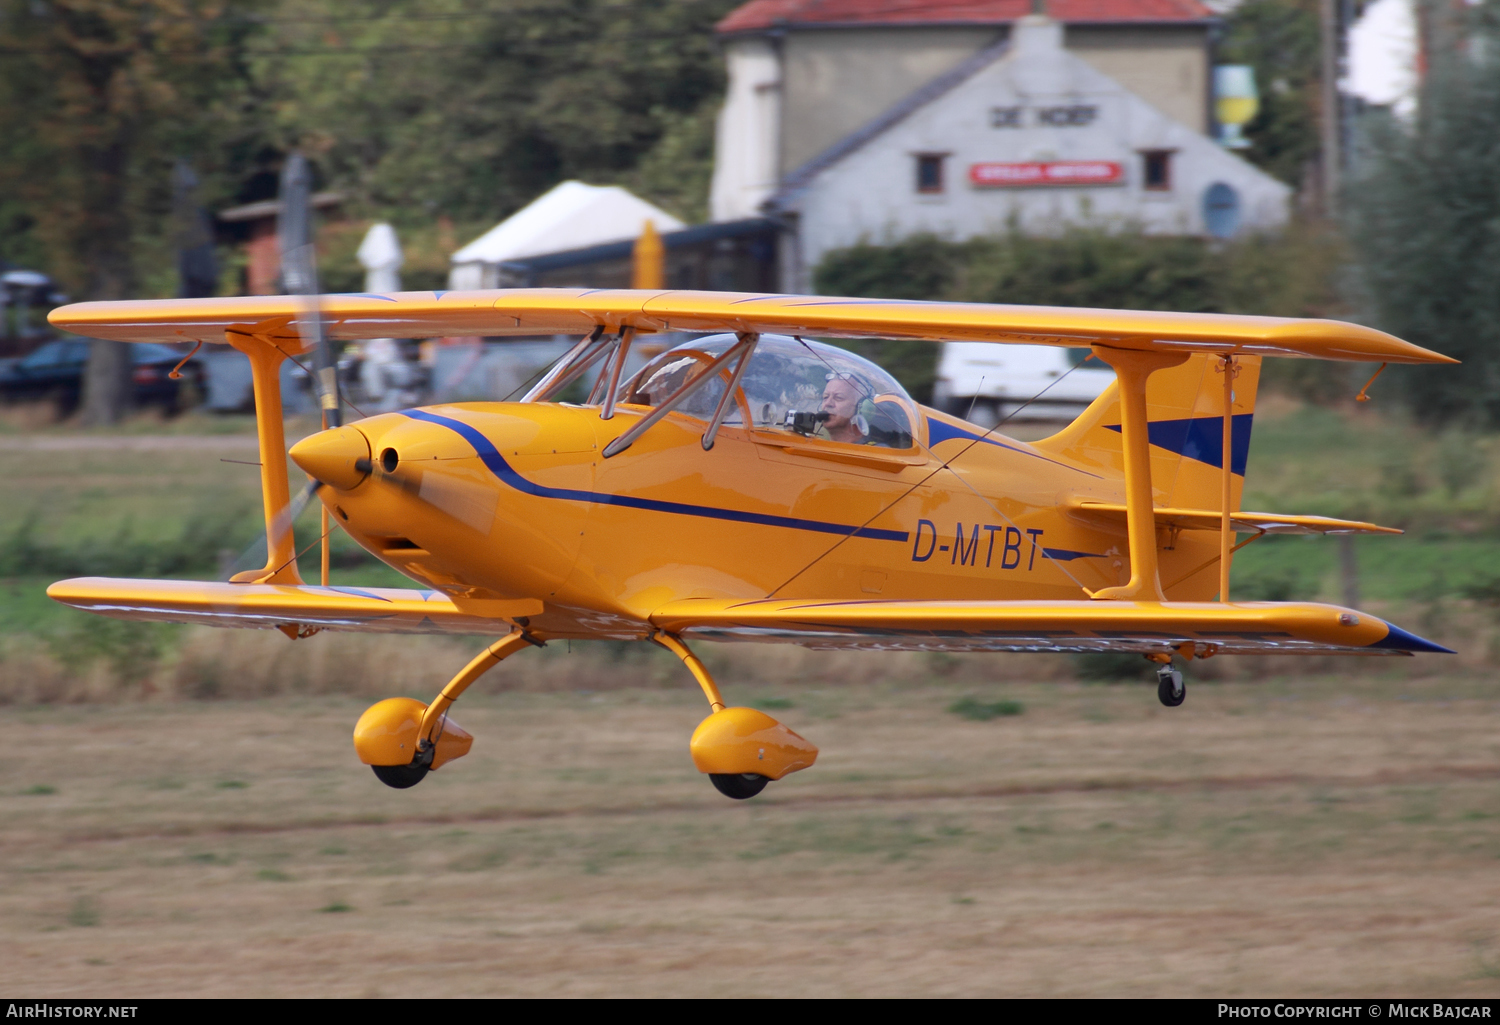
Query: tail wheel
column 400, row 777
column 738, row 785
column 1169, row 688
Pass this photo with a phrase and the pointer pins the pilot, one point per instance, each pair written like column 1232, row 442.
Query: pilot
column 841, row 398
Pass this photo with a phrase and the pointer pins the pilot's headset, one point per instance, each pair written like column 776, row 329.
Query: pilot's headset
column 865, row 408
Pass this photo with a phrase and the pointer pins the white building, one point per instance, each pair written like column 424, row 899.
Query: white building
column 1023, row 133
column 1042, row 126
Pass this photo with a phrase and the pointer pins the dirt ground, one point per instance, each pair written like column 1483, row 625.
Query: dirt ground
column 1334, row 837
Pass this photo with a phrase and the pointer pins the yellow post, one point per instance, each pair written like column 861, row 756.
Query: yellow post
column 1133, row 368
column 265, row 376
column 650, row 259
column 1227, row 479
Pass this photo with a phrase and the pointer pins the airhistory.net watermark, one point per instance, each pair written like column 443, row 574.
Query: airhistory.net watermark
column 48, row 1009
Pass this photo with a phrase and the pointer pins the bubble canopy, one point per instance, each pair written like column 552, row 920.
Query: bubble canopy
column 786, row 376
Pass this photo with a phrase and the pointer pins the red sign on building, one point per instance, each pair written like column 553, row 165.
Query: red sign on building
column 1052, row 172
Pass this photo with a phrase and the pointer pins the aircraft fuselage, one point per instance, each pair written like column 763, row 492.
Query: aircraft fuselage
column 496, row 501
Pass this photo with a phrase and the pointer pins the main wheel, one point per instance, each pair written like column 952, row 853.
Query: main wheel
column 400, row 776
column 738, row 785
column 1170, row 689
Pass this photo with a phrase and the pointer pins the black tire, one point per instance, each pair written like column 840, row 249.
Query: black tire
column 738, row 785
column 1169, row 695
column 400, row 777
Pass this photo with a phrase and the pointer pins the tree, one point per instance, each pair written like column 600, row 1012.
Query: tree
column 1280, row 40
column 96, row 97
column 1424, row 220
column 443, row 106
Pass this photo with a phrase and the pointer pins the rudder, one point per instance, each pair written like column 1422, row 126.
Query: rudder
column 1185, row 410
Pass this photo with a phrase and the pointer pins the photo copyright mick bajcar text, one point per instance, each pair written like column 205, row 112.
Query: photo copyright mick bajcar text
column 1397, row 1009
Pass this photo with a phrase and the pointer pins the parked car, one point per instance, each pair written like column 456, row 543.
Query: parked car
column 54, row 373
column 986, row 383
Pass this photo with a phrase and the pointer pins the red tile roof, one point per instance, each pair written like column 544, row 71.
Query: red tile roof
column 759, row 15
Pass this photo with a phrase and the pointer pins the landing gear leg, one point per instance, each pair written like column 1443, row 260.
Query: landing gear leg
column 482, row 663
column 739, row 749
column 402, row 739
column 1169, row 686
column 695, row 666
column 736, row 785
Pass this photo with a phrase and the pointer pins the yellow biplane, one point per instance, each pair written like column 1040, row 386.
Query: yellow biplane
column 752, row 484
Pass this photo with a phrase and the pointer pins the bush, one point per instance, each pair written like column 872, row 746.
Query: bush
column 1111, row 667
column 984, row 711
column 1273, row 585
column 1287, row 274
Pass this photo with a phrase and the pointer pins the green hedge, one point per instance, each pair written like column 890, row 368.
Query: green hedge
column 1286, row 274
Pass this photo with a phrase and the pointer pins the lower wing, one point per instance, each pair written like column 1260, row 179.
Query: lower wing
column 369, row 609
column 1201, row 628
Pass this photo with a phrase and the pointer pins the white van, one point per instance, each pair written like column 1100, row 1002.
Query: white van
column 986, row 383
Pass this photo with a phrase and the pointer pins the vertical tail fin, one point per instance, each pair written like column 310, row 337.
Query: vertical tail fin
column 1185, row 406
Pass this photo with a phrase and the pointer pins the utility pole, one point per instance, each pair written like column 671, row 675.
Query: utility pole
column 1331, row 16
column 1348, row 571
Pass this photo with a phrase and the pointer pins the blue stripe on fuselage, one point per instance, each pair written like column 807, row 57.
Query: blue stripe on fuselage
column 1202, row 438
column 939, row 431
column 497, row 465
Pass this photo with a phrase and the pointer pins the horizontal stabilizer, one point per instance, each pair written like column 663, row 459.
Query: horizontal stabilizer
column 1241, row 522
column 1202, row 628
column 577, row 311
column 368, row 609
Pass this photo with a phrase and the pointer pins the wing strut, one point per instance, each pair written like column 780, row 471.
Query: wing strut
column 1134, row 367
column 622, row 352
column 265, row 375
column 1226, row 476
column 574, row 362
column 726, row 401
column 671, row 402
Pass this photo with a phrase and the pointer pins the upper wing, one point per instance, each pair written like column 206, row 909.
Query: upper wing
column 1240, row 628
column 536, row 311
column 369, row 609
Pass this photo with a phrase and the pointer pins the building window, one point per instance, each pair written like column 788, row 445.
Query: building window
column 930, row 172
column 1157, row 170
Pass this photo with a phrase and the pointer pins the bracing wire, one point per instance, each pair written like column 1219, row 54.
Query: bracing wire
column 299, row 555
column 946, row 465
column 362, row 414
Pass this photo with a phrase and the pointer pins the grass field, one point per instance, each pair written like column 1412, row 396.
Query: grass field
column 1295, row 837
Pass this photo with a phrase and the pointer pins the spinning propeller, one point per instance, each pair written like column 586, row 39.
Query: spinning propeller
column 299, row 277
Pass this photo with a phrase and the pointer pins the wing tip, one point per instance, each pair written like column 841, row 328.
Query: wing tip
column 1397, row 639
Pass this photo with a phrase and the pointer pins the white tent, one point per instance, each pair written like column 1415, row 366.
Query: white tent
column 380, row 255
column 571, row 216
